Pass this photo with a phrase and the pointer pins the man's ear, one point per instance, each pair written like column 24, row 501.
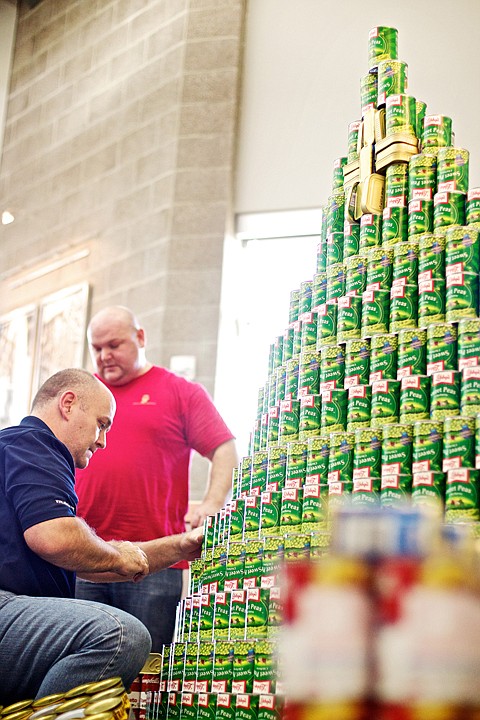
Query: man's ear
column 66, row 402
column 141, row 337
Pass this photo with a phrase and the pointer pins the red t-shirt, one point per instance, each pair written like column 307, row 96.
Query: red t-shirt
column 137, row 487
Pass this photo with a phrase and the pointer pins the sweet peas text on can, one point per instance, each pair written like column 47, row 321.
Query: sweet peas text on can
column 383, row 357
column 458, row 442
column 415, row 398
column 437, row 131
column 385, row 402
column 452, row 169
column 359, row 407
column 427, row 446
column 397, row 449
column 412, row 356
column 401, row 114
column 470, row 391
column 445, row 394
column 441, row 347
column 382, row 45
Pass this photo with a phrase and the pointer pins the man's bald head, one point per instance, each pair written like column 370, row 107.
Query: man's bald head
column 78, row 409
column 117, row 345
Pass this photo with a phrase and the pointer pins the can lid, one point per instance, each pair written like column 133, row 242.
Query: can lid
column 21, row 705
column 103, row 705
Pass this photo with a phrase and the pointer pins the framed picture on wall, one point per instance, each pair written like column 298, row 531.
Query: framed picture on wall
column 61, row 332
column 18, row 330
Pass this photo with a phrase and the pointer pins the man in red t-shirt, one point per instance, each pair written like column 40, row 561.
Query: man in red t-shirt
column 139, row 489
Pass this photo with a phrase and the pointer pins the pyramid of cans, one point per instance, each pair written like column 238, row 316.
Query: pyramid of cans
column 373, row 389
column 372, row 394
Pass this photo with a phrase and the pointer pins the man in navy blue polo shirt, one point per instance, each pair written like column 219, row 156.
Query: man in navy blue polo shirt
column 50, row 642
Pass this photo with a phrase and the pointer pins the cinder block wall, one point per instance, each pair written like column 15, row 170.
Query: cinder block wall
column 120, row 140
column 120, row 137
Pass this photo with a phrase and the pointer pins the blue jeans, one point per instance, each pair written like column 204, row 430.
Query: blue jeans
column 49, row 645
column 154, row 601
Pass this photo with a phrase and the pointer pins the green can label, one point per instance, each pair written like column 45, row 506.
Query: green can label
column 422, row 177
column 431, row 301
column 375, row 312
column 336, row 212
column 394, row 223
column 309, row 373
column 335, row 281
column 415, row 398
column 327, row 324
column 420, row 217
column 366, row 491
column 392, row 79
column 370, row 231
column 431, row 257
column 437, row 131
column 397, row 449
column 334, row 410
column 452, row 172
column 367, row 455
column 353, row 130
column 356, row 275
column 395, row 490
column 296, row 464
column 332, row 367
column 461, row 495
column 405, row 262
column 441, row 348
column 470, row 391
column 468, row 343
column 385, row 402
column 458, row 443
column 448, row 209
column 310, row 415
column 428, row 488
column 351, row 239
column 359, row 406
column 396, row 184
column 382, row 45
column 445, row 394
column 403, row 307
column 314, row 507
column 334, row 248
column 473, row 206
column 318, row 452
column 349, row 319
column 427, row 446
column 383, row 358
column 289, row 420
column 379, row 268
column 412, row 345
column 270, row 510
column 462, row 296
column 319, row 289
column 357, row 363
column 291, row 512
column 462, row 251
column 401, row 114
column 276, row 467
column 340, row 466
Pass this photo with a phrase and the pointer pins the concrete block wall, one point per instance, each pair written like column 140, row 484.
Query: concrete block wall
column 120, row 139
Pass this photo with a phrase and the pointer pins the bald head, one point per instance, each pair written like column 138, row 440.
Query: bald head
column 117, row 345
column 78, row 409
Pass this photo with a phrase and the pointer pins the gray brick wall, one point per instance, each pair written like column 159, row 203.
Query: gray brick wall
column 120, row 138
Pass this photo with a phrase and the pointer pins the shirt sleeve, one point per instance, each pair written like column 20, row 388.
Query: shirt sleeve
column 205, row 427
column 39, row 479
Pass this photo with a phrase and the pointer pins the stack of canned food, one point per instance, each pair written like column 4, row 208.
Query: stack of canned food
column 102, row 700
column 383, row 342
column 372, row 397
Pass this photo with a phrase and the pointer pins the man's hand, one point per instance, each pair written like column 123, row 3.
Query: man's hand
column 198, row 513
column 191, row 544
column 132, row 563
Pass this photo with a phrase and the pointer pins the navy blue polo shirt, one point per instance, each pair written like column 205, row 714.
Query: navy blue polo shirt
column 37, row 477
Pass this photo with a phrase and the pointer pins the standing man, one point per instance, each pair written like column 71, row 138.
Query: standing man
column 139, row 487
column 50, row 642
